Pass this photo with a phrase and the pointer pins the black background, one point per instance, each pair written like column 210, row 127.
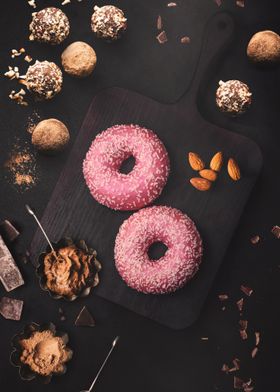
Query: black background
column 151, row 357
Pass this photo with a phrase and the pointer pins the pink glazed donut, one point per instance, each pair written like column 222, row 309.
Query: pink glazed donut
column 179, row 263
column 143, row 184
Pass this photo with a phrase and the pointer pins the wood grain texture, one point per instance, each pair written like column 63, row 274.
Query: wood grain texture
column 73, row 212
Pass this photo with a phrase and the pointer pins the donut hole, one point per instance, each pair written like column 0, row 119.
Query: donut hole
column 157, row 250
column 127, row 165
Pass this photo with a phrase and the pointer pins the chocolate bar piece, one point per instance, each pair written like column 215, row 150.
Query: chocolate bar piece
column 10, row 275
column 84, row 319
column 10, row 233
column 11, row 308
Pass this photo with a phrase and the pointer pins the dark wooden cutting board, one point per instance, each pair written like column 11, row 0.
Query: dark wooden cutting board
column 73, row 212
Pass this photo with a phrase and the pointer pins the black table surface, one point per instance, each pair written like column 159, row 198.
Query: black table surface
column 151, row 357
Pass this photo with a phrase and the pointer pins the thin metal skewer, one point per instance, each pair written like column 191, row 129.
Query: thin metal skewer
column 103, row 364
column 31, row 212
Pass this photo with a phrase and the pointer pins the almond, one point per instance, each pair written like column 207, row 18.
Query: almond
column 195, row 161
column 233, row 170
column 202, row 184
column 209, row 174
column 217, row 161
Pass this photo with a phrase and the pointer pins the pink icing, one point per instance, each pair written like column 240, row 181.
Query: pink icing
column 173, row 270
column 143, row 184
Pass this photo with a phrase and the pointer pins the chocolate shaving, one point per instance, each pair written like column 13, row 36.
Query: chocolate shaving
column 258, row 338
column 8, row 230
column 84, row 319
column 11, row 308
column 225, row 368
column 171, row 4
column 205, row 338
column 243, row 334
column 159, row 23
column 236, row 363
column 240, row 304
column 255, row 240
column 223, row 297
column 246, row 290
column 243, row 328
column 276, row 231
column 162, row 37
column 254, row 352
column 185, row 40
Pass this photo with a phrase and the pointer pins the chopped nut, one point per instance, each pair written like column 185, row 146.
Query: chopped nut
column 32, row 3
column 159, row 23
column 255, row 240
column 223, row 297
column 185, row 40
column 240, row 304
column 172, row 4
column 28, row 58
column 18, row 97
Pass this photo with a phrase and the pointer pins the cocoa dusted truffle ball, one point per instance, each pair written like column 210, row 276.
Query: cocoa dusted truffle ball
column 108, row 22
column 49, row 25
column 44, row 79
column 233, row 97
column 50, row 136
column 78, row 59
column 264, row 48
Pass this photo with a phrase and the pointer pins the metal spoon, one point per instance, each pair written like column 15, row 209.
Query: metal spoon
column 31, row 212
column 103, row 364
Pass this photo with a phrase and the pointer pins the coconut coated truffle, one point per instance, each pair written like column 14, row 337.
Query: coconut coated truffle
column 44, row 79
column 50, row 136
column 78, row 59
column 49, row 25
column 233, row 97
column 108, row 22
column 264, row 48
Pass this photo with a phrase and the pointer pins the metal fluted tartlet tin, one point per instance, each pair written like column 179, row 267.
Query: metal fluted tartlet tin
column 91, row 282
column 25, row 372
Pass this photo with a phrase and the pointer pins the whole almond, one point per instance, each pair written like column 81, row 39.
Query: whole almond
column 202, row 184
column 217, row 161
column 195, row 161
column 209, row 174
column 233, row 170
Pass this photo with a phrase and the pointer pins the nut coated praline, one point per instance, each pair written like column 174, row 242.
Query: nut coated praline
column 78, row 59
column 44, row 79
column 49, row 25
column 50, row 136
column 108, row 22
column 233, row 97
column 264, row 48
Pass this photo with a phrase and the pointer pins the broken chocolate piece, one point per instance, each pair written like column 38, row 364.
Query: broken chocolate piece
column 8, row 230
column 255, row 240
column 254, row 352
column 246, row 290
column 84, row 319
column 10, row 275
column 258, row 338
column 276, row 231
column 240, row 304
column 11, row 308
column 223, row 297
column 162, row 37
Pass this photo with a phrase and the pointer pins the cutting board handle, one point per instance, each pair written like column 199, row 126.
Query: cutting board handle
column 218, row 34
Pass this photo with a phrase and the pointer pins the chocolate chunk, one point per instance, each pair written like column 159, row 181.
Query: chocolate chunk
column 11, row 308
column 10, row 233
column 84, row 319
column 276, row 231
column 162, row 37
column 10, row 275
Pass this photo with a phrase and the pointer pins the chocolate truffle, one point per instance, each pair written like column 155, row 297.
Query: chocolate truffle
column 108, row 22
column 49, row 25
column 50, row 136
column 264, row 48
column 78, row 59
column 233, row 97
column 44, row 79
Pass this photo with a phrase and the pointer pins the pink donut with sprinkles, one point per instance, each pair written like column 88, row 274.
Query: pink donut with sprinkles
column 143, row 184
column 180, row 261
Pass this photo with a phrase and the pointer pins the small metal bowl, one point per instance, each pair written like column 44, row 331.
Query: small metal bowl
column 25, row 372
column 92, row 281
